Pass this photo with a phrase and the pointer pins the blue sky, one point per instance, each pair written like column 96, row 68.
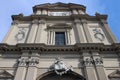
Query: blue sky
column 12, row 7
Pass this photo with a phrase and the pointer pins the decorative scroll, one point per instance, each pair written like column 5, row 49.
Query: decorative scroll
column 60, row 68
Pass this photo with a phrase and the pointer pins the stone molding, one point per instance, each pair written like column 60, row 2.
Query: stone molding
column 115, row 74
column 23, row 62
column 59, row 5
column 80, row 47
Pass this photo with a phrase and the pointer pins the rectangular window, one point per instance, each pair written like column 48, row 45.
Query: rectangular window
column 59, row 38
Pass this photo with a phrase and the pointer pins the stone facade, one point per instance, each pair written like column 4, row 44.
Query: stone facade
column 29, row 50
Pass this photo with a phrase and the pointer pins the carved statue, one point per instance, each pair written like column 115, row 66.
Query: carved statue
column 60, row 68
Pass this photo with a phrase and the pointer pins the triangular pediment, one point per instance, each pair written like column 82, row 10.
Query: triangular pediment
column 115, row 74
column 5, row 74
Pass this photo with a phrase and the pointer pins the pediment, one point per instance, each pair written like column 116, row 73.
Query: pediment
column 59, row 5
column 5, row 74
column 115, row 74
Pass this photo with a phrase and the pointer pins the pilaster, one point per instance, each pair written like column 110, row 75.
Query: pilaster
column 33, row 31
column 108, row 32
column 98, row 61
column 79, row 32
column 74, row 11
column 40, row 32
column 89, row 67
column 32, row 69
column 86, row 31
column 22, row 67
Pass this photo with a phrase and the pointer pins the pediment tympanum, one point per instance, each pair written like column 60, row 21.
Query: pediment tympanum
column 5, row 74
column 115, row 74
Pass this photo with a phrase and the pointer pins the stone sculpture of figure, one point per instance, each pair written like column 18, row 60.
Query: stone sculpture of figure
column 60, row 68
column 59, row 65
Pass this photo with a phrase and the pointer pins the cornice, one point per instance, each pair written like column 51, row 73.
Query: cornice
column 80, row 47
column 59, row 6
column 72, row 16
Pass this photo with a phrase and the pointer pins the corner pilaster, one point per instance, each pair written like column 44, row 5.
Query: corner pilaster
column 22, row 67
column 108, row 32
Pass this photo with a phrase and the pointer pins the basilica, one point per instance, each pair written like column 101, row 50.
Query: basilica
column 59, row 41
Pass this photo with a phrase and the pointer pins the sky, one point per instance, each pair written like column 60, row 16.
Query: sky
column 15, row 7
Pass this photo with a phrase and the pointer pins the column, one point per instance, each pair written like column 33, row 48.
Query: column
column 108, row 32
column 79, row 33
column 89, row 67
column 22, row 68
column 98, row 61
column 32, row 69
column 33, row 31
column 86, row 30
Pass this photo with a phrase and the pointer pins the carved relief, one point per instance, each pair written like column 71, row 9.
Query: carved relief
column 33, row 61
column 98, row 61
column 88, row 62
column 21, row 34
column 98, row 34
column 23, row 61
column 60, row 68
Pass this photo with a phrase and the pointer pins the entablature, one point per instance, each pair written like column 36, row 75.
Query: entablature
column 79, row 47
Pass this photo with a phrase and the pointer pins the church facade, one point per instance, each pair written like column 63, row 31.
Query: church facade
column 59, row 41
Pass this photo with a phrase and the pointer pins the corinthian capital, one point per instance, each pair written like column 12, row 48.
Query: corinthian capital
column 33, row 61
column 88, row 61
column 23, row 61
